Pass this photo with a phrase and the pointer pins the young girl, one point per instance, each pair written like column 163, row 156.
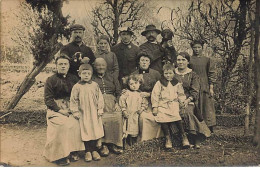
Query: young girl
column 86, row 105
column 166, row 97
column 103, row 51
column 132, row 105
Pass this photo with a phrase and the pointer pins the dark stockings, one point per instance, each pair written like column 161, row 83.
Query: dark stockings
column 90, row 146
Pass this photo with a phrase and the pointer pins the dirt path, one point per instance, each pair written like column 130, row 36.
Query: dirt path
column 23, row 146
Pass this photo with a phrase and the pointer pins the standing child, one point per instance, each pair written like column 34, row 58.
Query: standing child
column 132, row 105
column 86, row 104
column 166, row 97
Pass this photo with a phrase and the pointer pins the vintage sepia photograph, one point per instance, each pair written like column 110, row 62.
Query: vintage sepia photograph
column 129, row 83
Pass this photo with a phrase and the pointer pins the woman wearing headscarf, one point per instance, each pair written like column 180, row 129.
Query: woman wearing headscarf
column 112, row 116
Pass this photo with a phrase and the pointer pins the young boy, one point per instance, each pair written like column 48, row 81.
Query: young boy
column 166, row 97
column 86, row 105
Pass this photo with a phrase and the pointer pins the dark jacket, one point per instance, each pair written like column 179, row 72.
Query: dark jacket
column 126, row 57
column 58, row 87
column 72, row 48
column 156, row 52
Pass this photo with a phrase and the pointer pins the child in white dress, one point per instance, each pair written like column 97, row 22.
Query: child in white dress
column 132, row 105
column 86, row 105
column 167, row 95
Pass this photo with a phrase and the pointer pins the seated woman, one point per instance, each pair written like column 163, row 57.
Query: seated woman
column 103, row 51
column 149, row 128
column 193, row 120
column 112, row 116
column 63, row 130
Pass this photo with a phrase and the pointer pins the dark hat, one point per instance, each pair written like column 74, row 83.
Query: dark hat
column 85, row 67
column 77, row 27
column 145, row 54
column 103, row 37
column 126, row 29
column 197, row 41
column 167, row 34
column 150, row 28
column 185, row 55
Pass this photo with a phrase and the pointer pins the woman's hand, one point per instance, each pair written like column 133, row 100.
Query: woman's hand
column 64, row 112
column 211, row 91
column 125, row 114
column 145, row 94
column 117, row 107
column 185, row 103
column 155, row 111
column 76, row 115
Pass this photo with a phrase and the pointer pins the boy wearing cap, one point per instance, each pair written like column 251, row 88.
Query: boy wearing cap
column 86, row 105
column 77, row 50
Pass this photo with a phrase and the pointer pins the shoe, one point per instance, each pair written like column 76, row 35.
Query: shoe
column 104, row 151
column 196, row 146
column 74, row 157
column 63, row 162
column 96, row 156
column 88, row 157
column 185, row 142
column 116, row 150
column 168, row 143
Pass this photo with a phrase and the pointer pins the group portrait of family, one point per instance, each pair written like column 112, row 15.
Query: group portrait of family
column 120, row 95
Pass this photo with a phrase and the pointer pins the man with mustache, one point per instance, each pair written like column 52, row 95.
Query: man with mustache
column 152, row 47
column 76, row 50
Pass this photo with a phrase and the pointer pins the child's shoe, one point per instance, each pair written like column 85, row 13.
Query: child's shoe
column 96, row 156
column 116, row 149
column 185, row 141
column 88, row 157
column 168, row 143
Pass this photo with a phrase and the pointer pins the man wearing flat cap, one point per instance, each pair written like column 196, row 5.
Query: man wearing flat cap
column 76, row 50
column 126, row 53
column 152, row 47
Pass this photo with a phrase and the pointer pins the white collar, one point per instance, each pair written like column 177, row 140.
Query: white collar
column 188, row 70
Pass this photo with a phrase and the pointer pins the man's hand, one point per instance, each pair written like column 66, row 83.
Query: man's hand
column 155, row 111
column 85, row 60
column 76, row 115
column 125, row 114
column 64, row 112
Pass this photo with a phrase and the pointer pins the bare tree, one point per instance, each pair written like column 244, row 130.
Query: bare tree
column 110, row 15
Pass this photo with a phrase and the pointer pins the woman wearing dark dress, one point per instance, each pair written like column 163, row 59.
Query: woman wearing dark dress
column 112, row 116
column 148, row 126
column 204, row 68
column 192, row 118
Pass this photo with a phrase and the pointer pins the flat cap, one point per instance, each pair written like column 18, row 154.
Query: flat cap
column 77, row 27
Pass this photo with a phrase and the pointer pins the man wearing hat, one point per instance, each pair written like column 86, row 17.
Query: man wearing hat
column 152, row 47
column 76, row 50
column 126, row 52
column 170, row 54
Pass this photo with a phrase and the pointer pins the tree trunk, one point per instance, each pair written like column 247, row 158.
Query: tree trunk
column 115, row 23
column 30, row 79
column 249, row 83
column 257, row 77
